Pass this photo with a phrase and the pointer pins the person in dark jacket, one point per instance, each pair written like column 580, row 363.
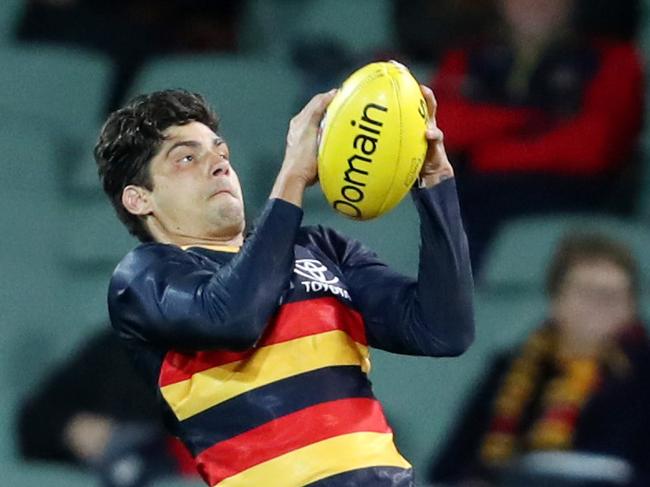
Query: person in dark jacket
column 579, row 383
column 257, row 347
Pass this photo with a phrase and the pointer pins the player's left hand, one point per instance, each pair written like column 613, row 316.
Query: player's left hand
column 436, row 167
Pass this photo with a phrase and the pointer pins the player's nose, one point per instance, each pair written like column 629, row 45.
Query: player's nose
column 219, row 165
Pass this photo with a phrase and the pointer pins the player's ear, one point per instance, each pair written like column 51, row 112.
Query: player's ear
column 136, row 200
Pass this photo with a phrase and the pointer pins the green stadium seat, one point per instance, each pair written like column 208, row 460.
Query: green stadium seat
column 643, row 207
column 363, row 27
column 56, row 85
column 518, row 256
column 82, row 180
column 9, row 13
column 95, row 242
column 39, row 317
column 21, row 474
column 178, row 482
column 31, row 217
column 95, row 238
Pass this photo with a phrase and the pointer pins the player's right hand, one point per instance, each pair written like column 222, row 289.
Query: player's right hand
column 300, row 159
column 300, row 166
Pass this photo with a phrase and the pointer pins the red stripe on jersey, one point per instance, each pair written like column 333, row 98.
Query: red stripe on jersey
column 281, row 435
column 293, row 320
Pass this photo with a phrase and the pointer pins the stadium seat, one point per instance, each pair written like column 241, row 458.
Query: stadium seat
column 9, row 12
column 31, row 216
column 54, row 85
column 363, row 27
column 38, row 306
column 518, row 256
column 644, row 196
column 254, row 99
column 82, row 180
column 95, row 238
column 21, row 474
column 174, row 482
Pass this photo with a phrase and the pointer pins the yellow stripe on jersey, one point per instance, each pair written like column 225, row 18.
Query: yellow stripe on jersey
column 268, row 364
column 219, row 248
column 322, row 459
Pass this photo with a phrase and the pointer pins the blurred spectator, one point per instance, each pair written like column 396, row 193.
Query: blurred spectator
column 540, row 117
column 579, row 383
column 130, row 31
column 93, row 412
column 427, row 28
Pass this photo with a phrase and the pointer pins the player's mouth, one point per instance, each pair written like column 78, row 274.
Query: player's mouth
column 221, row 191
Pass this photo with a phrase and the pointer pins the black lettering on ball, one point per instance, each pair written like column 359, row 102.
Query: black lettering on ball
column 358, row 194
column 356, row 212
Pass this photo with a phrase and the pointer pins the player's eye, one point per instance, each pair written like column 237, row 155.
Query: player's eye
column 186, row 159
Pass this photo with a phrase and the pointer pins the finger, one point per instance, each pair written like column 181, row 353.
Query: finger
column 433, row 133
column 324, row 100
column 429, row 97
column 316, row 107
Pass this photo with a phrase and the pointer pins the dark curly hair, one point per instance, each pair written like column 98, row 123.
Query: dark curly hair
column 132, row 136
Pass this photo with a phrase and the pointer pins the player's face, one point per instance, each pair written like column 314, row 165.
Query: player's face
column 196, row 192
column 594, row 302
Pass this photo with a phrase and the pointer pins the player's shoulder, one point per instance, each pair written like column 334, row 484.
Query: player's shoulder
column 336, row 245
column 321, row 236
column 141, row 258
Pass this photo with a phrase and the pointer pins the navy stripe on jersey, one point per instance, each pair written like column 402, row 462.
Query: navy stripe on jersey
column 375, row 476
column 272, row 401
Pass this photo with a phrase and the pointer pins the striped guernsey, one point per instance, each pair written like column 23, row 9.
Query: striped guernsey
column 260, row 354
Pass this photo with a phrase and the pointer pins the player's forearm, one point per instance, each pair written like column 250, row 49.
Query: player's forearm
column 289, row 187
column 445, row 283
column 256, row 278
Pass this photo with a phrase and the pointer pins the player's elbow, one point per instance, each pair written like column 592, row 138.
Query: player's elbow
column 460, row 344
column 244, row 335
column 450, row 330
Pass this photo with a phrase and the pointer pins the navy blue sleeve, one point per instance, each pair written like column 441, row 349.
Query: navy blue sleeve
column 434, row 314
column 163, row 295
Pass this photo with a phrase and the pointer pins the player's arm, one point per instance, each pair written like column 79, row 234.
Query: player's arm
column 162, row 295
column 434, row 314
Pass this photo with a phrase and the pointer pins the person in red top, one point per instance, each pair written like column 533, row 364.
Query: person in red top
column 545, row 119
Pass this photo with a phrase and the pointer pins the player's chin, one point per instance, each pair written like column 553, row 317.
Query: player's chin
column 229, row 208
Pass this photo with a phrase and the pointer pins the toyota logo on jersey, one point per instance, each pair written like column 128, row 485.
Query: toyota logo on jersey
column 320, row 277
column 315, row 270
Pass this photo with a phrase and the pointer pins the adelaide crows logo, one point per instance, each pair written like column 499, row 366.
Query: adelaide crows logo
column 319, row 277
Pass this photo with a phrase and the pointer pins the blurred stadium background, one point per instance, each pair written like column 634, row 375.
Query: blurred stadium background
column 60, row 239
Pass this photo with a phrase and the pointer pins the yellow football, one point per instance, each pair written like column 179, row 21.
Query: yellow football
column 372, row 144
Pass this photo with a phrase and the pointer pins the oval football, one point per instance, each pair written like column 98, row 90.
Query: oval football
column 372, row 143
